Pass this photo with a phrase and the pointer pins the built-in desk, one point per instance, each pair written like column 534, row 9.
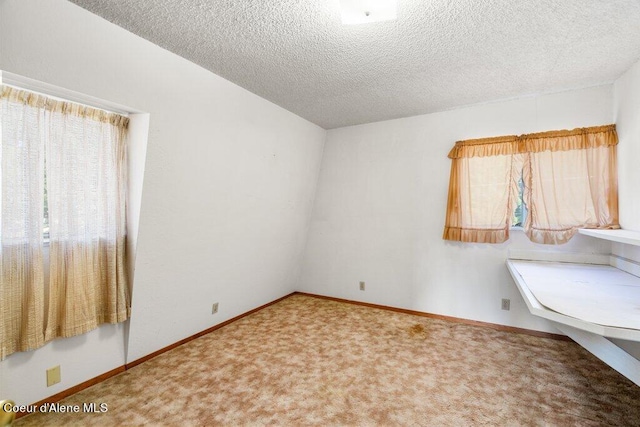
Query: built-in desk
column 588, row 302
column 595, row 298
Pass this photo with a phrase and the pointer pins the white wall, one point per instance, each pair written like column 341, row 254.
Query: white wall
column 381, row 201
column 228, row 188
column 627, row 117
column 626, row 107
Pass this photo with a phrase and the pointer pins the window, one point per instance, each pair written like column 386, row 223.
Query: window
column 550, row 183
column 520, row 211
column 63, row 178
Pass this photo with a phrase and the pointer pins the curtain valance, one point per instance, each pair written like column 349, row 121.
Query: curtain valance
column 562, row 140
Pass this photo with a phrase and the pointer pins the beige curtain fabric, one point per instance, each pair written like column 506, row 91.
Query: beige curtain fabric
column 86, row 164
column 21, row 213
column 84, row 153
column 570, row 183
column 481, row 192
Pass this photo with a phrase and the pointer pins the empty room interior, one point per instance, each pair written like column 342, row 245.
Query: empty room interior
column 332, row 212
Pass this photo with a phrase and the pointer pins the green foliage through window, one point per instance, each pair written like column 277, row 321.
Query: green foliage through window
column 520, row 212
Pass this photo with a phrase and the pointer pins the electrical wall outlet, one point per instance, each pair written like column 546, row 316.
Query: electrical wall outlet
column 214, row 308
column 53, row 376
column 506, row 304
column 362, row 286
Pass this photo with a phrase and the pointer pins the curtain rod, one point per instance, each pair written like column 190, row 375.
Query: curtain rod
column 33, row 85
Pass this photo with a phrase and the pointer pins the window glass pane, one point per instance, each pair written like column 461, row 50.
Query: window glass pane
column 520, row 211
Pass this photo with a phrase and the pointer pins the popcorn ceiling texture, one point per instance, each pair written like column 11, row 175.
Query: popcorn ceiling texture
column 439, row 54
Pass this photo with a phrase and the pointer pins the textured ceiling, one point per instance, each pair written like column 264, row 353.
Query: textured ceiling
column 437, row 55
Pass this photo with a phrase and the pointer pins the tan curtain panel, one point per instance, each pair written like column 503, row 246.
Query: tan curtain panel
column 570, row 183
column 481, row 191
column 82, row 153
column 570, row 180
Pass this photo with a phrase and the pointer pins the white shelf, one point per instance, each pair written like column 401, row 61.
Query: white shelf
column 621, row 236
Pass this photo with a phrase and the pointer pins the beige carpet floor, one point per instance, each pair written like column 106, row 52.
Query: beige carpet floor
column 310, row 361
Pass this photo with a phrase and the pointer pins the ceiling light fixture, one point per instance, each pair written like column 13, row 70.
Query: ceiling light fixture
column 366, row 11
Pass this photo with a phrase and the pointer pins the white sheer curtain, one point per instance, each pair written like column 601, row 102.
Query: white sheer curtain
column 86, row 166
column 21, row 268
column 84, row 153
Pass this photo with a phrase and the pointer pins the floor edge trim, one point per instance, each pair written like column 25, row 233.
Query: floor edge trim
column 495, row 326
column 102, row 377
column 120, row 369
